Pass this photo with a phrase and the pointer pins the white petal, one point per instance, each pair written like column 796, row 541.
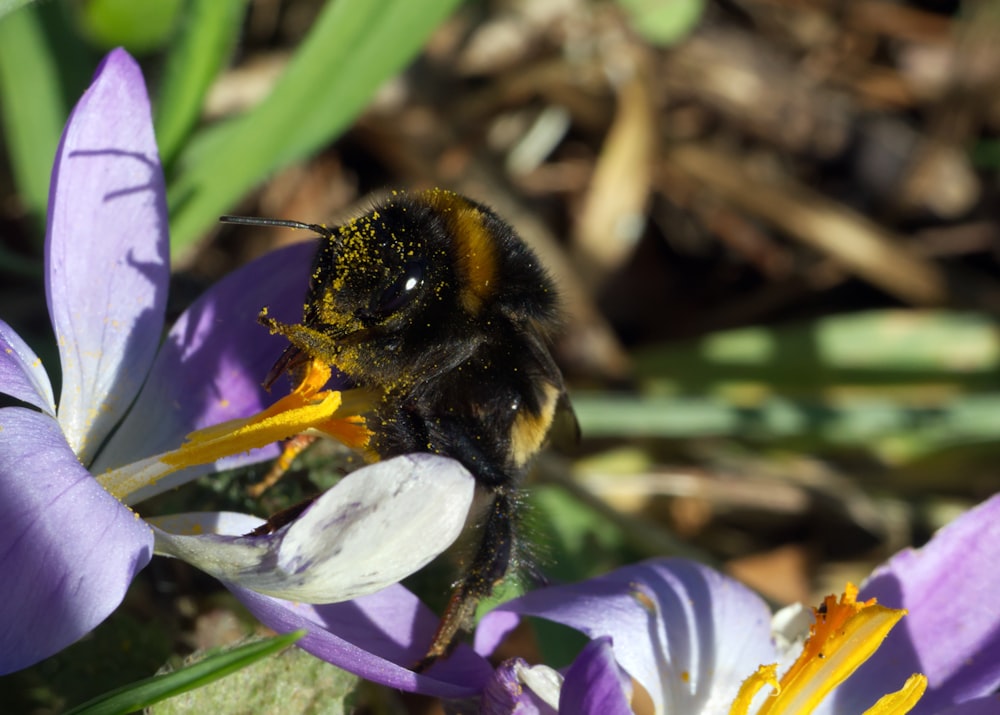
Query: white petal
column 544, row 682
column 374, row 528
column 224, row 523
column 790, row 628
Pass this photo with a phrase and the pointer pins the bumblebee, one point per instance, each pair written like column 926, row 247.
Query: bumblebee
column 432, row 303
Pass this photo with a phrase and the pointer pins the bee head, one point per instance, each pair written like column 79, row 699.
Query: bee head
column 413, row 285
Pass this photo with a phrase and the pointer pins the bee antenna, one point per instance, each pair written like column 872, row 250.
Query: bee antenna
column 283, row 223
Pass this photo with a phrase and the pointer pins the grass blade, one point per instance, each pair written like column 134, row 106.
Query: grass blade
column 205, row 42
column 354, row 46
column 32, row 108
column 144, row 693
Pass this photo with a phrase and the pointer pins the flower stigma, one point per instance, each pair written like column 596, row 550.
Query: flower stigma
column 308, row 407
column 845, row 634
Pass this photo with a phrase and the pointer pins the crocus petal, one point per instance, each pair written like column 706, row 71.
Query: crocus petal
column 594, row 684
column 543, row 681
column 951, row 633
column 207, row 522
column 377, row 526
column 378, row 637
column 68, row 550
column 21, row 373
column 211, row 365
column 506, row 694
column 989, row 705
column 106, row 251
column 687, row 633
column 493, row 629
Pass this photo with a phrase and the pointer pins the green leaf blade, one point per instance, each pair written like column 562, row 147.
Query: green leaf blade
column 32, row 109
column 206, row 39
column 353, row 47
column 160, row 687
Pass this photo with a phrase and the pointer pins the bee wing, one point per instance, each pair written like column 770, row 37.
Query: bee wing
column 565, row 429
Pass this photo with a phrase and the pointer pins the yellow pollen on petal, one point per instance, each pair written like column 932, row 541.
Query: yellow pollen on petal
column 845, row 635
column 644, row 599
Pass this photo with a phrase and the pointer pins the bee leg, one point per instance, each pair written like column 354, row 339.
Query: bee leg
column 282, row 518
column 293, row 448
column 489, row 567
column 292, row 361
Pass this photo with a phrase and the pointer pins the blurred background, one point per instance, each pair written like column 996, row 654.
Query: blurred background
column 774, row 224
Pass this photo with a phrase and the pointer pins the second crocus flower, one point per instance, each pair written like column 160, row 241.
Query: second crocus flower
column 922, row 636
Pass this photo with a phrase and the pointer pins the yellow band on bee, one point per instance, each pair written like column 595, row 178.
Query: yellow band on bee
column 475, row 248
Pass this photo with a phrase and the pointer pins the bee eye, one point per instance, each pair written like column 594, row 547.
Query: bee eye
column 402, row 290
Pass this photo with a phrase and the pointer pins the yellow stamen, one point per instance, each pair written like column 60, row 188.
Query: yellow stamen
column 258, row 431
column 292, row 449
column 765, row 675
column 351, row 431
column 305, row 408
column 903, row 700
column 845, row 635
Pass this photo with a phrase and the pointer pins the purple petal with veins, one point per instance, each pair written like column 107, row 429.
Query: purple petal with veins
column 990, row 705
column 687, row 633
column 595, row 684
column 378, row 637
column 106, row 253
column 68, row 549
column 952, row 631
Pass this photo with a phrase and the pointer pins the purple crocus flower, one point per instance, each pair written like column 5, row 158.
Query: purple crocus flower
column 69, row 543
column 696, row 640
